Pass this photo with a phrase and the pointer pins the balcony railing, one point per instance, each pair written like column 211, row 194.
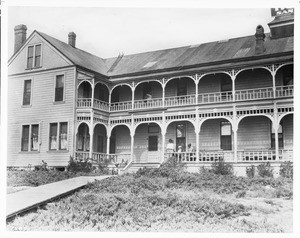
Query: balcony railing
column 285, row 91
column 148, row 103
column 120, row 106
column 256, row 155
column 215, row 97
column 286, row 155
column 252, row 94
column 180, row 100
column 84, row 102
column 101, row 105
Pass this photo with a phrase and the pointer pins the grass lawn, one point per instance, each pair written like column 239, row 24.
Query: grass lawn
column 169, row 199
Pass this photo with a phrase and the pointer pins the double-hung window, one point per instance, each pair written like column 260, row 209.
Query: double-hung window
column 30, row 138
column 27, row 92
column 58, row 138
column 34, row 55
column 59, row 88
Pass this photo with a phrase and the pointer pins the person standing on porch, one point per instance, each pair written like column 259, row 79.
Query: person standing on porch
column 170, row 148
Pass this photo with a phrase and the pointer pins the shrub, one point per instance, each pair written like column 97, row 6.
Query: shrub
column 250, row 171
column 79, row 165
column 103, row 166
column 286, row 170
column 265, row 170
column 220, row 167
column 41, row 167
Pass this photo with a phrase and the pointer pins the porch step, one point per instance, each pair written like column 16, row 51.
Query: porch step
column 136, row 166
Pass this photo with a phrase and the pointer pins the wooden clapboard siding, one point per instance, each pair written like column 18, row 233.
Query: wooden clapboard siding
column 99, row 130
column 190, row 133
column 156, row 91
column 141, row 152
column 171, row 87
column 288, row 131
column 123, row 140
column 209, row 138
column 50, row 58
column 209, row 83
column 125, row 93
column 257, row 78
column 42, row 111
column 254, row 133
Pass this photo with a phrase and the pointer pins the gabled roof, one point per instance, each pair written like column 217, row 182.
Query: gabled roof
column 212, row 52
column 77, row 56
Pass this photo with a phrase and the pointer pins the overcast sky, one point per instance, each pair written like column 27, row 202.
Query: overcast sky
column 107, row 31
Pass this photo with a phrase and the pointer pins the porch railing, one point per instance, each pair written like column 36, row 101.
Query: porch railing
column 120, row 106
column 285, row 91
column 82, row 155
column 256, row 155
column 252, row 94
column 215, row 97
column 150, row 103
column 286, row 155
column 98, row 104
column 180, row 100
column 84, row 102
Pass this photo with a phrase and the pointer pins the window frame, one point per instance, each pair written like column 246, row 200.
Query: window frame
column 221, row 144
column 34, row 56
column 29, row 149
column 64, row 88
column 30, row 100
column 58, row 137
column 153, row 148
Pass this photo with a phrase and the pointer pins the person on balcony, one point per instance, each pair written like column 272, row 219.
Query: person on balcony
column 191, row 153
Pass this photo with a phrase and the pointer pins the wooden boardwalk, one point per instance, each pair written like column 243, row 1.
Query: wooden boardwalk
column 25, row 200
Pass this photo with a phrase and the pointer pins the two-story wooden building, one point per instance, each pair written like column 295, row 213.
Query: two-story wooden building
column 230, row 99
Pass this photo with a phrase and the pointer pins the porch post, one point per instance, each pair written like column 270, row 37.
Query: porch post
column 274, row 82
column 132, row 99
column 196, row 83
column 197, row 144
column 93, row 93
column 107, row 141
column 163, row 138
column 163, row 95
column 235, row 130
column 132, row 145
column 233, row 87
column 91, row 135
column 109, row 99
column 275, row 127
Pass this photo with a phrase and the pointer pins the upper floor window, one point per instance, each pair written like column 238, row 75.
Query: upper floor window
column 27, row 92
column 34, row 56
column 181, row 87
column 59, row 88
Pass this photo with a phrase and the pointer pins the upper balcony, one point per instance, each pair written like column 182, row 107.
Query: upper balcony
column 250, row 85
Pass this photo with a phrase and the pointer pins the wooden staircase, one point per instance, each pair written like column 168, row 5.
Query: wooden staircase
column 136, row 166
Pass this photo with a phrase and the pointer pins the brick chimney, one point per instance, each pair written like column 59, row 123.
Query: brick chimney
column 72, row 39
column 20, row 36
column 260, row 40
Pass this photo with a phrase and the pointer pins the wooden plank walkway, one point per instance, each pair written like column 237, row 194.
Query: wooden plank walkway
column 25, row 200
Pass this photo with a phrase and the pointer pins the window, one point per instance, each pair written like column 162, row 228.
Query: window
column 30, row 143
column 181, row 87
column 280, row 137
column 59, row 88
column 63, row 139
column 58, row 138
column 27, row 92
column 34, row 137
column 25, row 138
column 153, row 143
column 180, row 136
column 226, row 135
column 34, row 56
column 288, row 75
column 147, row 91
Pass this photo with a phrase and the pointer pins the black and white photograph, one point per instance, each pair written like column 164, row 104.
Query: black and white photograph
column 144, row 119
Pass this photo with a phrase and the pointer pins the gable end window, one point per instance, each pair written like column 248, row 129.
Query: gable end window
column 59, row 88
column 34, row 55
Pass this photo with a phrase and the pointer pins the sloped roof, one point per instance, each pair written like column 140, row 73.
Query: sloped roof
column 77, row 56
column 211, row 52
column 237, row 48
